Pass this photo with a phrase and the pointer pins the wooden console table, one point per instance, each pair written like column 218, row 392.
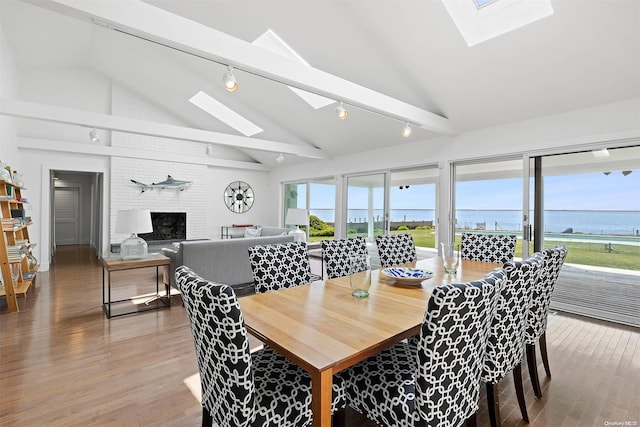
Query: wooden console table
column 109, row 265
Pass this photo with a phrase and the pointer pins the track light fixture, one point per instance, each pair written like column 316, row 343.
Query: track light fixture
column 342, row 113
column 406, row 131
column 229, row 80
column 280, row 158
column 93, row 134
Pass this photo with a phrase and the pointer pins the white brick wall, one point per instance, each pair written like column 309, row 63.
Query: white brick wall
column 127, row 195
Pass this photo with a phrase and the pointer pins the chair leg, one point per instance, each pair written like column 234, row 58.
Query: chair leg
column 543, row 350
column 533, row 369
column 494, row 404
column 339, row 419
column 517, row 381
column 471, row 421
column 207, row 421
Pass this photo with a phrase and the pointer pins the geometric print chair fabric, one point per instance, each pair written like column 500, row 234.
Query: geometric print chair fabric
column 395, row 249
column 505, row 349
column 436, row 383
column 496, row 248
column 278, row 266
column 539, row 313
column 336, row 254
column 240, row 388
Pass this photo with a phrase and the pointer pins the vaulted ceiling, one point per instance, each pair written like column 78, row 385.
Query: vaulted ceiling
column 587, row 53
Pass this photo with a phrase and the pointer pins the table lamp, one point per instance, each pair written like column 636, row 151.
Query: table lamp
column 133, row 221
column 297, row 217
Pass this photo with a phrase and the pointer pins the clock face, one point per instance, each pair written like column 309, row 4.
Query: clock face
column 238, row 196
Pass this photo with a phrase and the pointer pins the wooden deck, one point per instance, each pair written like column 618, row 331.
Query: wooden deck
column 63, row 363
column 603, row 294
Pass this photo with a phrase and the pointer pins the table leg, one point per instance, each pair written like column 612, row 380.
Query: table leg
column 321, row 383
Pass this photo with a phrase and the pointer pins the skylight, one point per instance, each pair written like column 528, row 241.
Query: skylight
column 224, row 114
column 270, row 41
column 482, row 20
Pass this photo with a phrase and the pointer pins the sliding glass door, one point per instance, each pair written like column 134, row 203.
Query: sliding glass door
column 318, row 197
column 493, row 197
column 365, row 207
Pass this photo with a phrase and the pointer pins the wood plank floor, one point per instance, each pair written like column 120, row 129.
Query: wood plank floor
column 62, row 363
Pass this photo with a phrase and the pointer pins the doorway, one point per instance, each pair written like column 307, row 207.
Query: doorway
column 76, row 209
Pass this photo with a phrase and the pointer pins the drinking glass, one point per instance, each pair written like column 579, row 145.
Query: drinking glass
column 450, row 258
column 360, row 275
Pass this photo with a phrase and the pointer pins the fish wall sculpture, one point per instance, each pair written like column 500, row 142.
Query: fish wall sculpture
column 170, row 182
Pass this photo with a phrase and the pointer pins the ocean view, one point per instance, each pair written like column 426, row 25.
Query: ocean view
column 555, row 221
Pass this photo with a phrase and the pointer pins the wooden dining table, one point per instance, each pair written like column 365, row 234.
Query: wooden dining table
column 323, row 329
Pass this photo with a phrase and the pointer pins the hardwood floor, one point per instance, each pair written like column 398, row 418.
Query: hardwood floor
column 62, row 363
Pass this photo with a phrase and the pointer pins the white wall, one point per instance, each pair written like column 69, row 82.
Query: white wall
column 8, row 150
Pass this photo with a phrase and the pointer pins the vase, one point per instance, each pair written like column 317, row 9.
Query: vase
column 17, row 179
column 32, row 260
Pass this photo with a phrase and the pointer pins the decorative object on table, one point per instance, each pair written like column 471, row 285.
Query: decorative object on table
column 297, row 217
column 407, row 275
column 170, row 183
column 133, row 221
column 360, row 275
column 238, row 197
column 450, row 257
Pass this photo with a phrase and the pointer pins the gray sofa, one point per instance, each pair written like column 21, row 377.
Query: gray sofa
column 223, row 261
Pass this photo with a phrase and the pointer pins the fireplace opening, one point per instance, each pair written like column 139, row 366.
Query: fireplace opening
column 167, row 226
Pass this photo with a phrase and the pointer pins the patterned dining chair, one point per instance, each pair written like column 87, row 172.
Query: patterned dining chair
column 505, row 349
column 539, row 312
column 240, row 388
column 336, row 253
column 498, row 248
column 396, row 249
column 280, row 265
column 436, row 383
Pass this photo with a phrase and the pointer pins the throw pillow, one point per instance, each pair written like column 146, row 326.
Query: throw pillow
column 252, row 232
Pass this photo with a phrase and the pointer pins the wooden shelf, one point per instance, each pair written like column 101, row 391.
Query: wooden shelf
column 10, row 199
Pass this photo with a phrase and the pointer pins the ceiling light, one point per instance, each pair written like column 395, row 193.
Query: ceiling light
column 93, row 134
column 600, row 153
column 341, row 112
column 209, row 149
column 230, row 83
column 280, row 158
column 406, row 131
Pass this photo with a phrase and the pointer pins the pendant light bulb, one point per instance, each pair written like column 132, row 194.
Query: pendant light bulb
column 280, row 158
column 406, row 131
column 229, row 80
column 342, row 113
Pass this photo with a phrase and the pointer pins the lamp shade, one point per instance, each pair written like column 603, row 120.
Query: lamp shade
column 296, row 217
column 134, row 221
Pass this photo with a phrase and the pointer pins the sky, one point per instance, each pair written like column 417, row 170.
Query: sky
column 595, row 191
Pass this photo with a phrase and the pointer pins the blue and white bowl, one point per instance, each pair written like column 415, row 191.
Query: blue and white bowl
column 407, row 275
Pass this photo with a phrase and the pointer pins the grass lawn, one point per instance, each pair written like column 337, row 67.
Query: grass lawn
column 623, row 256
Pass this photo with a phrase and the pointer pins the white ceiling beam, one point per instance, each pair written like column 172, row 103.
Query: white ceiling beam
column 152, row 23
column 51, row 113
column 132, row 153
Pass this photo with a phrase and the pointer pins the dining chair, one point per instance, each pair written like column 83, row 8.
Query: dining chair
column 240, row 388
column 505, row 349
column 280, row 265
column 336, row 253
column 539, row 312
column 436, row 383
column 498, row 248
column 396, row 249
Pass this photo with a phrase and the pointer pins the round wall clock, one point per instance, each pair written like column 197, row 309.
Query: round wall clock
column 238, row 196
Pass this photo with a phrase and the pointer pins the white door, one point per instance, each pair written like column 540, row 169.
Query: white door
column 66, row 215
